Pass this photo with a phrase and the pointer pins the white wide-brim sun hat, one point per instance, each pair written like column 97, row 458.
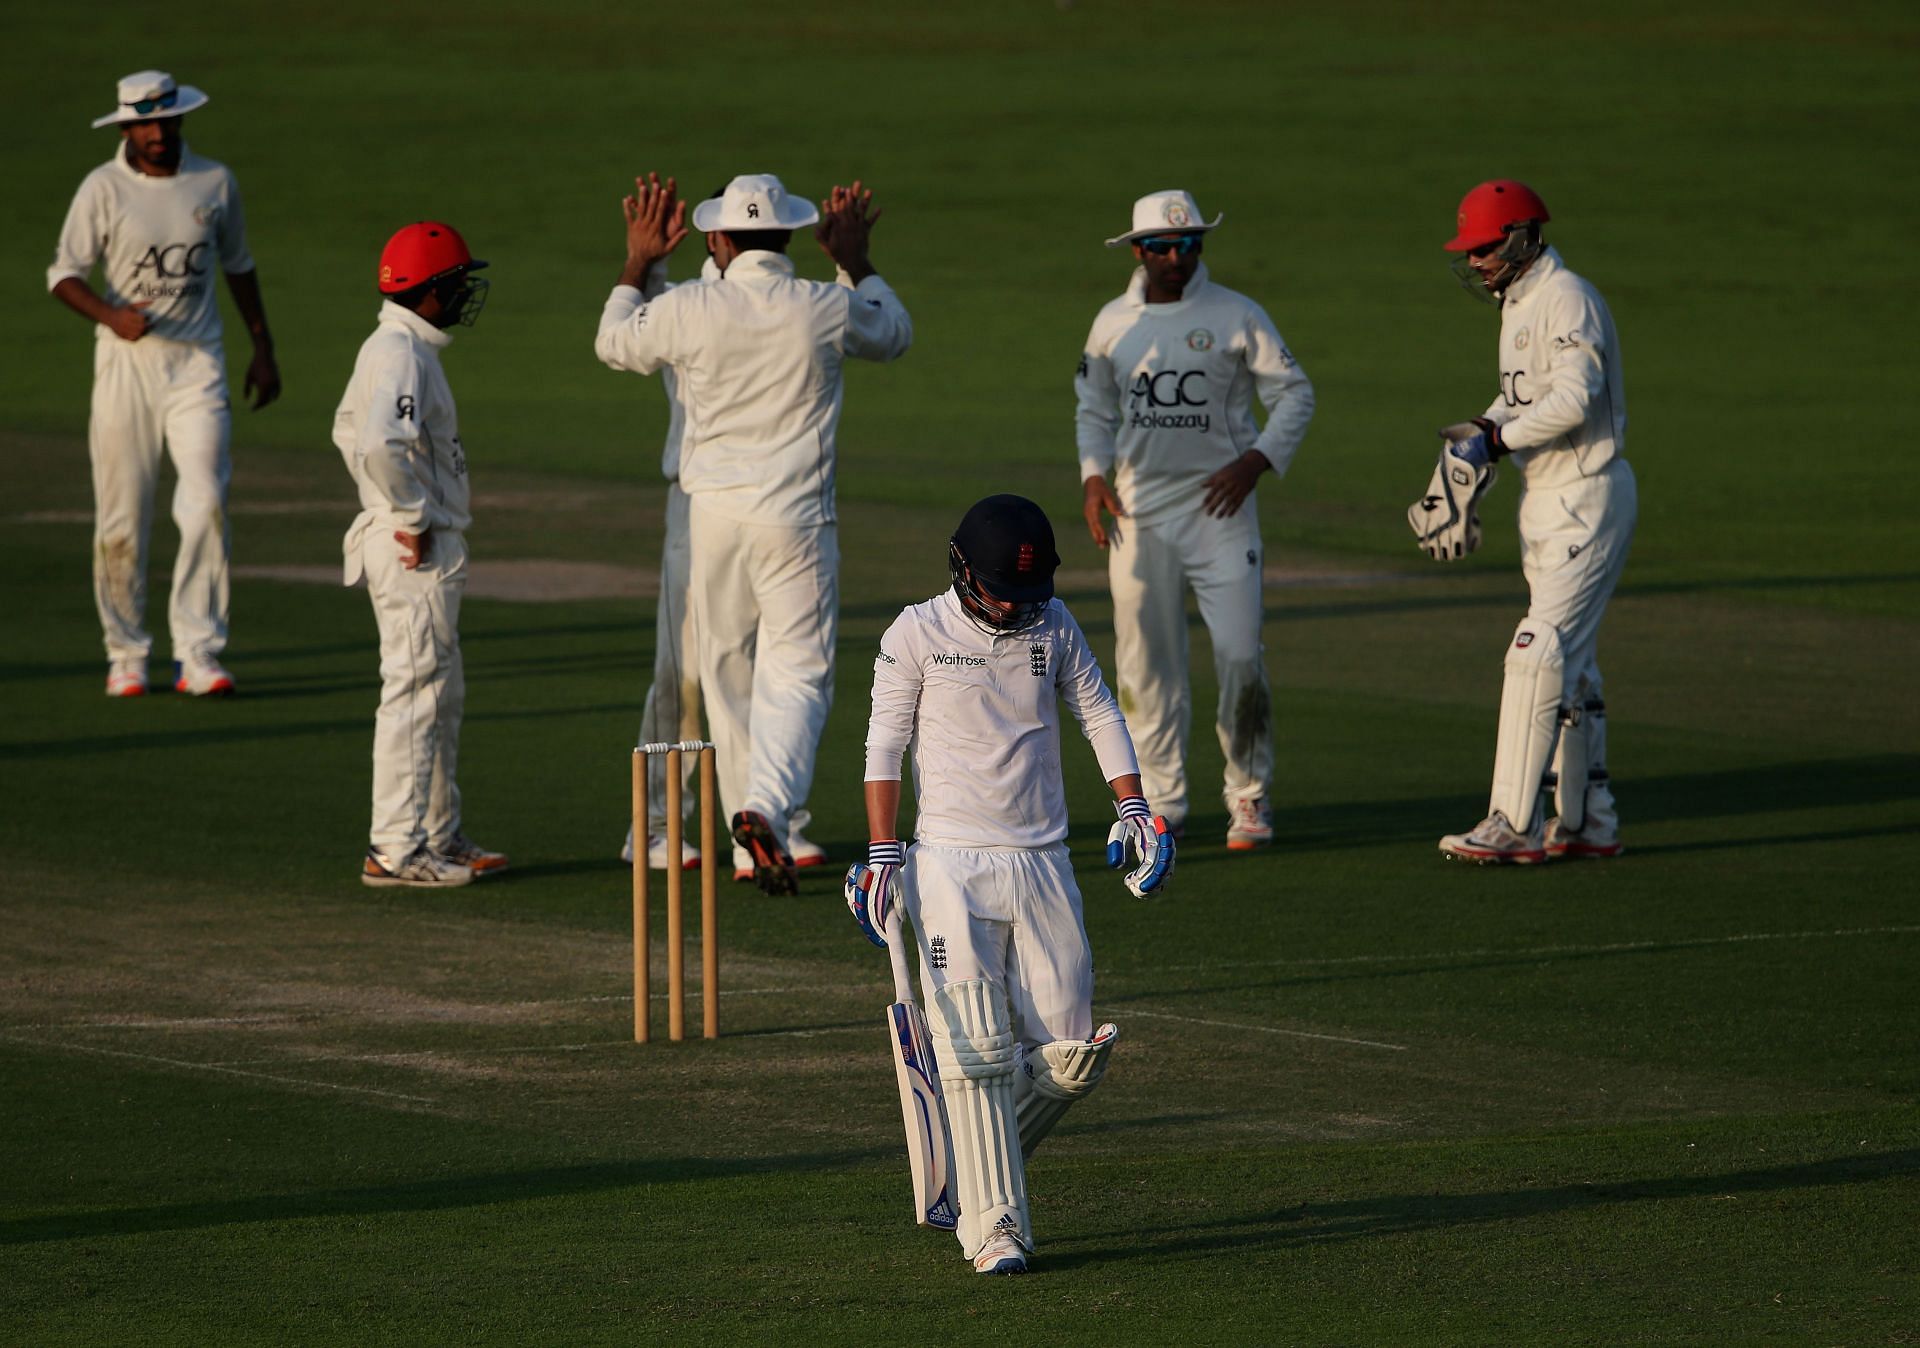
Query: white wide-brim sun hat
column 1169, row 212
column 754, row 201
column 149, row 94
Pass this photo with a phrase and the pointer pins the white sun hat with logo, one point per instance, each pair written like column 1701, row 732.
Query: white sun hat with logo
column 147, row 94
column 754, row 201
column 1169, row 212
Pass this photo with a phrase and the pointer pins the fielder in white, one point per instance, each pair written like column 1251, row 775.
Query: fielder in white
column 758, row 356
column 973, row 680
column 1170, row 449
column 671, row 712
column 1561, row 419
column 159, row 219
column 399, row 433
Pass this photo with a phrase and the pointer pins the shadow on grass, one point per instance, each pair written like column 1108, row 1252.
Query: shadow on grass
column 465, row 1191
column 1396, row 1214
column 1871, row 779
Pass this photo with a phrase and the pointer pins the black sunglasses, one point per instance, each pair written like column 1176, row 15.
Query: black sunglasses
column 155, row 104
column 1182, row 244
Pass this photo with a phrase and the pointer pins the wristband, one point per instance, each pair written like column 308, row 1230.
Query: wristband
column 1132, row 807
column 886, row 852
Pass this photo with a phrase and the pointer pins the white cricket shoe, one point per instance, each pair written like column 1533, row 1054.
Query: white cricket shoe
column 420, row 869
column 1003, row 1253
column 1590, row 842
column 803, row 852
column 1495, row 842
column 657, row 852
column 464, row 851
column 1249, row 824
column 202, row 676
column 127, row 678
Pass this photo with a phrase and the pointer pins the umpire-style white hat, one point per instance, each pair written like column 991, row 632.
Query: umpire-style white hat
column 1169, row 212
column 147, row 94
column 753, row 201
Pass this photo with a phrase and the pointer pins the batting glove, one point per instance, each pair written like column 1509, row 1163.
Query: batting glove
column 873, row 888
column 1142, row 840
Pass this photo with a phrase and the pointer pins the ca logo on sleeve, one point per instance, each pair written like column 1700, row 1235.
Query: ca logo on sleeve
column 403, row 407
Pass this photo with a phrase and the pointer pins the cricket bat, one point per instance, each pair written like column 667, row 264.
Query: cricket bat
column 923, row 1109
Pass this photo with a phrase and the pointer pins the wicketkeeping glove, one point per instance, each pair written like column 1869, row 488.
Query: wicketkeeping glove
column 1446, row 521
column 873, row 888
column 1142, row 840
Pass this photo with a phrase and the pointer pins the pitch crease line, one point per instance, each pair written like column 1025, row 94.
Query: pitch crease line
column 215, row 1067
column 1678, row 942
column 1265, row 1029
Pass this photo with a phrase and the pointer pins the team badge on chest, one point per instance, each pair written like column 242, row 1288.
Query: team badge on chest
column 1037, row 660
column 1200, row 340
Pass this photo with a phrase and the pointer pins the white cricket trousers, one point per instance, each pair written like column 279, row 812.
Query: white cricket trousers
column 1149, row 568
column 765, row 605
column 671, row 713
column 1010, row 915
column 1574, row 543
column 423, row 689
column 147, row 394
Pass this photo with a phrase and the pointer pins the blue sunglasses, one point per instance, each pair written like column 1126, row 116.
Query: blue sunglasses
column 1182, row 244
column 146, row 105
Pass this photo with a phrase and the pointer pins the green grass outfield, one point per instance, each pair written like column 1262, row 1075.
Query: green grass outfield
column 1362, row 1096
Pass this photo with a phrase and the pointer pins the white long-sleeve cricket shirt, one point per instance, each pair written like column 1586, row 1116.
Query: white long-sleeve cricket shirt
column 1166, row 394
column 159, row 241
column 982, row 714
column 397, row 429
column 1562, row 407
column 757, row 357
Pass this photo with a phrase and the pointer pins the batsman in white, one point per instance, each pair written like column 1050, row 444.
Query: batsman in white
column 758, row 356
column 1166, row 390
column 159, row 219
column 1561, row 419
column 671, row 711
column 400, row 435
column 973, row 680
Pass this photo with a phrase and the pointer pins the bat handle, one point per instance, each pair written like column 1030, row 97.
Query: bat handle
column 896, row 953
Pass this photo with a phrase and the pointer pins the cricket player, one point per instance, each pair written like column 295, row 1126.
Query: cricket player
column 1170, row 450
column 758, row 356
column 671, row 712
column 398, row 431
column 160, row 219
column 1561, row 419
column 973, row 680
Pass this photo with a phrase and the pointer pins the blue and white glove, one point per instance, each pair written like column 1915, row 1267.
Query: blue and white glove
column 873, row 888
column 1477, row 441
column 1143, row 841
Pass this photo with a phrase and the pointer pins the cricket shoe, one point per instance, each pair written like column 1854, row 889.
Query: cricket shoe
column 1249, row 824
column 803, row 852
column 419, row 869
column 127, row 678
column 1495, row 842
column 773, row 867
column 1587, row 843
column 657, row 852
column 464, row 851
column 1003, row 1253
column 202, row 676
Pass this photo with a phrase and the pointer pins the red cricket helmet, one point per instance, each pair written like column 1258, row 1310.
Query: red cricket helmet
column 1490, row 210
column 421, row 253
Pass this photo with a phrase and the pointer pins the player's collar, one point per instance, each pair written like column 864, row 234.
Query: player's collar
column 1137, row 287
column 759, row 262
column 390, row 312
column 1543, row 266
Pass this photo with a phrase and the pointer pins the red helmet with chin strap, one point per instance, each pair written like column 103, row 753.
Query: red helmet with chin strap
column 1492, row 209
column 421, row 253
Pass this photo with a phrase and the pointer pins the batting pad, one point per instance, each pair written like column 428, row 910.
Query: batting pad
column 973, row 1040
column 1529, row 721
column 1053, row 1077
column 1571, row 759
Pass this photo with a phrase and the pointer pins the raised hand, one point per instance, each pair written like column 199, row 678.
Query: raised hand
column 847, row 218
column 656, row 225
